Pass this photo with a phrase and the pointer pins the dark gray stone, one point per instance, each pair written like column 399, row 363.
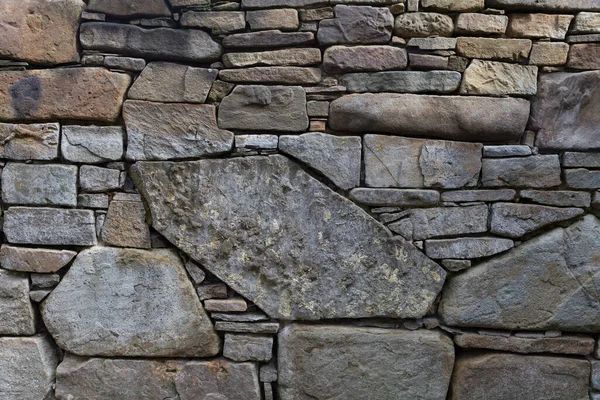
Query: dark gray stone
column 532, row 172
column 356, row 25
column 284, row 75
column 467, row 196
column 338, row 59
column 447, row 221
column 97, row 179
column 403, row 82
column 248, row 348
column 582, row 178
column 31, row 184
column 395, row 197
column 125, row 63
column 218, row 22
column 272, row 38
column 587, row 160
column 516, row 220
column 130, row 8
column 546, row 5
column 466, row 248
column 561, row 198
column 506, row 151
column 580, row 345
column 92, row 144
column 248, row 327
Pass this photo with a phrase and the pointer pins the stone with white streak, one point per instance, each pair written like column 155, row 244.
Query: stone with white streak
column 516, row 220
column 29, row 141
column 92, row 144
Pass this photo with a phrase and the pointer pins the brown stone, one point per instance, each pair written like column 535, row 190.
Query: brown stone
column 539, row 26
column 481, row 24
column 34, row 260
column 130, row 8
column 125, row 225
column 454, row 5
column 499, row 79
column 549, row 53
column 287, row 75
column 288, row 57
column 284, row 19
column 581, row 345
column 584, row 56
column 494, row 49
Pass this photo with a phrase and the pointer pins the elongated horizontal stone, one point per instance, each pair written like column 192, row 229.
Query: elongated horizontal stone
column 587, row 160
column 63, row 93
column 155, row 44
column 481, row 24
column 534, row 171
column 34, row 260
column 162, row 131
column 447, row 221
column 547, row 5
column 403, row 82
column 285, row 19
column 539, row 26
column 506, row 151
column 98, row 179
column 92, row 144
column 218, row 22
column 561, row 198
column 423, row 24
column 394, row 197
column 252, row 4
column 466, row 248
column 272, row 38
column 580, row 345
column 130, row 8
column 287, row 75
column 51, row 226
column 499, row 79
column 452, row 117
column 17, row 316
column 364, row 58
column 29, row 141
column 288, row 57
column 356, row 25
column 494, row 49
column 39, row 184
column 516, row 220
column 453, row 5
column 581, row 178
column 479, row 195
column 433, row 43
column 248, row 327
column 289, row 202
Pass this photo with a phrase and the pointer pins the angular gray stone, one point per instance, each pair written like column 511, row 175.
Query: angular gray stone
column 32, row 184
column 580, row 345
column 92, row 144
column 161, row 131
column 338, row 59
column 423, row 24
column 534, row 171
column 29, row 142
column 272, row 38
column 27, row 367
column 17, row 316
column 508, row 376
column 173, row 83
column 499, row 79
column 285, row 19
column 547, row 5
column 516, row 220
column 130, row 8
column 479, row 195
column 336, row 157
column 558, row 270
column 97, row 179
column 395, row 197
column 226, row 305
column 363, row 363
column 466, row 248
column 561, row 198
column 582, row 178
column 446, row 117
column 289, row 57
column 403, row 82
column 566, row 111
column 304, row 224
column 248, row 142
column 268, row 108
column 506, row 151
column 446, row 164
column 284, row 75
column 50, row 226
column 238, row 347
column 218, row 22
column 34, row 260
column 356, row 25
column 152, row 44
column 82, row 378
column 125, row 225
column 237, row 317
column 144, row 305
column 447, row 221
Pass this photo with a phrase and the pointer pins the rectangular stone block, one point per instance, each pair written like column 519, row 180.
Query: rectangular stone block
column 97, row 179
column 248, row 348
column 466, row 248
column 218, row 22
column 284, row 19
column 36, row 184
column 499, row 79
column 92, row 144
column 29, row 142
column 534, row 171
column 538, row 26
column 546, row 5
column 494, row 49
column 394, row 197
column 581, row 178
column 17, row 316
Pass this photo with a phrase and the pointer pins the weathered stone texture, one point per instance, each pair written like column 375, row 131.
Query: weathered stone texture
column 363, row 58
column 285, row 75
column 581, row 178
column 516, row 220
column 95, row 179
column 584, row 56
column 454, row 5
column 17, row 316
column 130, row 8
column 547, row 5
column 304, row 224
column 356, row 25
column 395, row 197
column 238, row 347
column 447, row 221
column 29, row 142
column 561, row 198
column 422, row 24
column 534, row 171
column 499, row 79
column 284, row 19
column 34, row 260
column 125, row 225
column 288, row 57
column 92, row 144
column 465, row 248
column 549, row 53
column 144, row 305
column 218, row 22
column 580, row 345
column 271, row 38
column 586, row 22
column 494, row 49
column 362, row 363
column 481, row 24
column 39, row 184
column 403, row 82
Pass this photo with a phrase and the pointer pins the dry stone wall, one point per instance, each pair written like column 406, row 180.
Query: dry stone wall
column 300, row 199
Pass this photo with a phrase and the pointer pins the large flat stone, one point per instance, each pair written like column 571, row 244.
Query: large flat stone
column 31, row 184
column 289, row 57
column 446, row 117
column 546, row 283
column 29, row 141
column 338, row 59
column 144, row 305
column 27, row 367
column 40, row 32
column 499, row 79
column 17, row 316
column 494, row 49
column 156, row 44
column 130, row 8
column 305, row 262
column 162, row 131
column 34, row 260
column 403, row 82
column 532, row 172
column 547, row 5
column 516, row 220
column 268, row 108
column 63, row 93
column 356, row 25
column 320, row 362
column 509, row 376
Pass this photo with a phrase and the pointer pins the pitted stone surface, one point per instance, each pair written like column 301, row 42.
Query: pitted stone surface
column 17, row 316
column 39, row 184
column 516, row 220
column 29, row 141
column 356, row 25
column 263, row 218
column 130, row 8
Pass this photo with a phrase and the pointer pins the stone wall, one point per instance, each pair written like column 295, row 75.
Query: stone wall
column 300, row 199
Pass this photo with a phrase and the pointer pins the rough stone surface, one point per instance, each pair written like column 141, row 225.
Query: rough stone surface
column 494, row 49
column 155, row 44
column 218, row 22
column 130, row 8
column 576, row 159
column 17, row 316
column 92, row 144
column 269, row 108
column 581, row 178
column 450, row 117
column 547, row 5
column 144, row 306
column 584, row 56
column 448, row 221
column 49, row 226
column 549, row 53
column 27, row 367
column 29, row 142
column 173, row 83
column 125, row 225
column 506, row 151
column 560, row 345
column 34, row 260
column 466, row 248
column 534, row 171
column 481, row 24
column 363, row 58
column 285, row 75
column 499, row 79
column 238, row 347
column 516, row 220
column 40, row 32
column 454, row 5
column 509, row 376
column 284, row 19
column 289, row 57
column 421, row 24
column 336, row 157
column 539, row 26
column 63, row 93
column 271, row 38
column 356, row 25
column 586, row 22
column 330, row 235
column 39, row 184
column 362, row 363
column 395, row 197
column 97, row 179
column 403, row 82
column 479, row 195
column 561, row 198
column 162, row 131
column 558, row 269
column 446, row 164
column 125, row 63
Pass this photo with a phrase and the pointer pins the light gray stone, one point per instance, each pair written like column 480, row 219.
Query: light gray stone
column 173, row 83
column 34, row 260
column 289, row 57
column 317, row 108
column 586, row 22
column 92, row 144
column 356, row 25
column 27, row 367
column 337, row 59
column 479, row 195
column 17, row 316
column 336, row 157
column 267, row 108
column 240, row 317
column 534, row 172
column 446, row 164
column 29, row 142
column 125, row 225
column 271, row 38
column 49, row 226
column 92, row 200
column 433, row 43
column 499, row 79
column 558, row 269
column 144, row 305
column 506, row 151
column 124, row 63
column 586, row 160
column 218, row 22
column 539, row 26
column 395, row 197
column 454, row 5
column 466, row 248
column 284, row 19
column 481, row 24
column 226, row 305
column 162, row 131
column 367, row 363
column 403, row 82
column 516, row 220
column 97, row 179
column 253, row 4
column 446, row 117
column 561, row 198
column 547, row 5
column 268, row 142
column 284, row 75
column 238, row 347
column 305, row 224
column 494, row 49
column 582, row 178
column 32, row 184
column 423, row 24
column 579, row 345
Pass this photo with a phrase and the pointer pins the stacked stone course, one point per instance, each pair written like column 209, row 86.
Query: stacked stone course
column 300, row 199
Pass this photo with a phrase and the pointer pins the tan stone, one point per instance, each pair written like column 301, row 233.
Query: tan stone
column 126, row 226
column 289, row 57
column 284, row 19
column 24, row 259
column 584, row 56
column 453, row 5
column 549, row 53
column 65, row 93
column 499, row 79
column 587, row 22
column 422, row 24
column 29, row 142
column 40, row 31
column 539, row 26
column 481, row 24
column 494, row 49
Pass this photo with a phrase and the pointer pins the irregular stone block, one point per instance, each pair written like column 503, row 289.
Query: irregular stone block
column 31, row 184
column 586, row 22
column 285, row 75
column 363, row 58
column 433, row 43
column 316, row 14
column 155, row 44
column 34, row 260
column 272, row 38
column 421, row 24
column 336, row 157
column 297, row 57
column 394, row 197
column 17, row 316
column 466, row 248
column 62, row 93
column 506, row 151
column 125, row 225
column 356, row 25
column 440, row 168
column 509, row 376
column 547, row 5
column 173, row 83
column 252, row 4
column 403, row 82
column 479, row 195
column 218, row 22
column 240, row 196
column 144, row 305
column 130, row 8
column 97, row 179
column 584, row 56
column 494, row 49
column 549, row 53
column 454, row 5
column 539, row 26
column 125, row 63
column 481, row 24
column 446, row 117
column 560, row 345
column 427, row 61
column 447, row 221
column 284, row 19
column 29, row 142
column 40, row 32
column 92, row 144
column 428, row 358
column 268, row 108
column 499, row 79
column 226, row 305
column 562, row 198
column 248, row 348
column 589, row 160
column 516, row 220
column 534, row 171
column 27, row 367
column 50, row 226
column 582, row 178
column 267, row 142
